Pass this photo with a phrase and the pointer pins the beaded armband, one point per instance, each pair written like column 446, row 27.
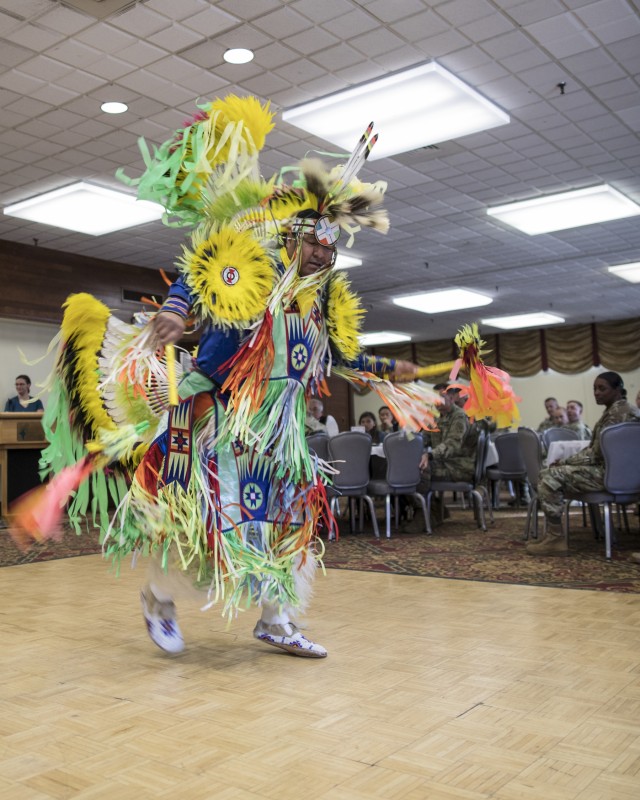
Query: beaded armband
column 176, row 305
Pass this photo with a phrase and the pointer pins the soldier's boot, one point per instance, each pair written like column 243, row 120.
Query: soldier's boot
column 554, row 543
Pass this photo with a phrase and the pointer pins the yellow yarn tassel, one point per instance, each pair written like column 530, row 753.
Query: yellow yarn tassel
column 170, row 355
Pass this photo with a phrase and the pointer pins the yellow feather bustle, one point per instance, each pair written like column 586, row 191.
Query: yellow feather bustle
column 83, row 328
column 257, row 119
column 345, row 316
column 230, row 274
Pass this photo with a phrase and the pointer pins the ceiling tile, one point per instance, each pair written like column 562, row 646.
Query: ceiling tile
column 142, row 19
column 20, row 83
column 11, row 55
column 65, row 20
column 181, row 10
column 211, row 22
column 175, row 38
column 74, row 53
column 35, row 37
column 250, row 9
column 283, row 22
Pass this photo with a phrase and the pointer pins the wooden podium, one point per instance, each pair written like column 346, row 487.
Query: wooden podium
column 20, row 431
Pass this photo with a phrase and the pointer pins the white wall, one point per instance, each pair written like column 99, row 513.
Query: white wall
column 33, row 339
column 533, row 391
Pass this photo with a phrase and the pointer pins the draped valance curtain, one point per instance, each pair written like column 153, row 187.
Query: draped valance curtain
column 569, row 349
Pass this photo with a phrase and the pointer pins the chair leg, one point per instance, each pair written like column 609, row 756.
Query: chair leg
column 528, row 523
column 480, row 510
column 361, row 514
column 387, row 507
column 396, row 510
column 352, row 513
column 535, row 516
column 565, row 521
column 486, row 499
column 427, row 521
column 607, row 529
column 625, row 517
column 372, row 511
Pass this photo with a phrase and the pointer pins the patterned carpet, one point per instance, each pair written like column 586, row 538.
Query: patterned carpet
column 461, row 551
column 71, row 545
column 456, row 550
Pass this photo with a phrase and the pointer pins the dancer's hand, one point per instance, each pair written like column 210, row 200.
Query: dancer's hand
column 168, row 328
column 405, row 371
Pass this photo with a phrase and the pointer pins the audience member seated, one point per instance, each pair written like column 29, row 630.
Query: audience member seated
column 316, row 421
column 574, row 412
column 453, row 455
column 581, row 472
column 548, row 422
column 387, row 422
column 560, row 418
column 369, row 423
column 23, row 400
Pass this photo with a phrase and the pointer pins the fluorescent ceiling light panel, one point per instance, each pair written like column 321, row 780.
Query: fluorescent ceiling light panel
column 559, row 212
column 346, row 262
column 630, row 272
column 516, row 321
column 444, row 300
column 382, row 337
column 411, row 109
column 86, row 208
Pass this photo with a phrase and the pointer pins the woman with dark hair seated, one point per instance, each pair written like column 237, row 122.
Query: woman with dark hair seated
column 370, row 424
column 583, row 471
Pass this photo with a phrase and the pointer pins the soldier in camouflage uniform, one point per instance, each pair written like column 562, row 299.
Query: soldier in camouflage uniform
column 574, row 413
column 548, row 422
column 583, row 471
column 453, row 454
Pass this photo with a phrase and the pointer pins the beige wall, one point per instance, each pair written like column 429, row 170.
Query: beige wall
column 533, row 391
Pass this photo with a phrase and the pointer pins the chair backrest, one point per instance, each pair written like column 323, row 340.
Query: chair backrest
column 482, row 452
column 319, row 444
column 510, row 459
column 531, row 449
column 559, row 435
column 403, row 456
column 350, row 453
column 621, row 450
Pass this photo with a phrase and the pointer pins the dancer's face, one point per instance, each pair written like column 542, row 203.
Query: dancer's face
column 314, row 257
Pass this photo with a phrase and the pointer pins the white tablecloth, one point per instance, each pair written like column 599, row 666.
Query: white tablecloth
column 377, row 450
column 561, row 450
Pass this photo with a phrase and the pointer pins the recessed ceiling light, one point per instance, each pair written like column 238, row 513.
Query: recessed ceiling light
column 516, row 321
column 114, row 108
column 86, row 208
column 382, row 337
column 559, row 212
column 443, row 300
column 630, row 272
column 238, row 55
column 346, row 262
column 414, row 108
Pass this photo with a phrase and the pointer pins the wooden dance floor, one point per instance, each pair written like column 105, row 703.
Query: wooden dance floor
column 432, row 689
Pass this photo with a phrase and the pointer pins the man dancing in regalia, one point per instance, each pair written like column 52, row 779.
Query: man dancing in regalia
column 222, row 489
